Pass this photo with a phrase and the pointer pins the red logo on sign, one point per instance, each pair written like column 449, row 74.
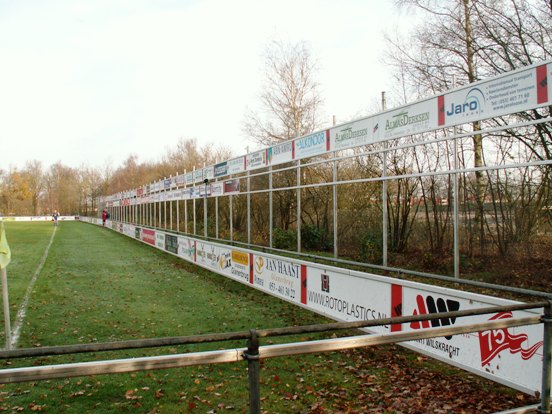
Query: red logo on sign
column 491, row 343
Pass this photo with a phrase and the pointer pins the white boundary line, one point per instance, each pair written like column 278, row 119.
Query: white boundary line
column 22, row 312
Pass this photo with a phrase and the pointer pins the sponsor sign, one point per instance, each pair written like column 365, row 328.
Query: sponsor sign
column 256, row 160
column 207, row 255
column 234, row 264
column 167, row 182
column 515, row 92
column 224, row 260
column 180, row 180
column 232, row 186
column 128, row 230
column 198, row 176
column 217, row 189
column 343, row 297
column 160, row 240
column 171, row 243
column 279, row 277
column 209, row 173
column 186, row 248
column 204, row 190
column 281, row 153
column 311, row 145
column 148, row 236
column 236, row 165
column 506, row 355
column 352, row 134
column 412, row 119
column 189, row 178
column 221, row 169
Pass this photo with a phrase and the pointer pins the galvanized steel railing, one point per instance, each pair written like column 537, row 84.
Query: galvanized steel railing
column 255, row 352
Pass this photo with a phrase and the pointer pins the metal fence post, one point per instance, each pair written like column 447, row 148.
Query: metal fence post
column 546, row 360
column 253, row 369
column 7, row 307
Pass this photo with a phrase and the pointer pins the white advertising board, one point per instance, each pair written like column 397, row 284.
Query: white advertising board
column 509, row 93
column 236, row 165
column 412, row 119
column 256, row 160
column 343, row 297
column 198, row 176
column 353, row 134
column 278, row 277
column 281, row 153
column 186, row 248
column 312, row 145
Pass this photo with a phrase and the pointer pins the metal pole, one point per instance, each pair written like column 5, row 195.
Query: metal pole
column 298, row 206
column 546, row 360
column 194, row 207
column 253, row 369
column 231, row 218
column 335, row 203
column 164, row 205
column 205, row 212
column 248, row 208
column 6, row 307
column 216, row 217
column 456, row 201
column 177, row 216
column 186, row 216
column 384, row 193
column 455, row 218
column 270, row 208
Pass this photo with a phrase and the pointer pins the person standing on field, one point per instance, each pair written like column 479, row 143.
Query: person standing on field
column 104, row 217
column 55, row 217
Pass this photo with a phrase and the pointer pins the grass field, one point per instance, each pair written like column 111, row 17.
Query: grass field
column 98, row 286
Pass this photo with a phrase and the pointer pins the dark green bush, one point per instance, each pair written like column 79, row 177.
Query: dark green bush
column 284, row 239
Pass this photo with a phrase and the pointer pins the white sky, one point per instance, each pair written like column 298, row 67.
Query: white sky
column 89, row 82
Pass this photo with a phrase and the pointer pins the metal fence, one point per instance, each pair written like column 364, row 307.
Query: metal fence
column 254, row 352
column 477, row 184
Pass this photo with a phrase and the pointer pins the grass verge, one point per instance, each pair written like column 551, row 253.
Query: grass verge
column 99, row 286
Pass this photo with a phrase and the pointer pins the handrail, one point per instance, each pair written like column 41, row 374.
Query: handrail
column 262, row 333
column 254, row 353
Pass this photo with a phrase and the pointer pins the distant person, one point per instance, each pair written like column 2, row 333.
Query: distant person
column 55, row 217
column 104, row 217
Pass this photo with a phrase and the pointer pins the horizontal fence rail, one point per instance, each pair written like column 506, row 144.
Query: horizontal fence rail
column 254, row 352
column 261, row 333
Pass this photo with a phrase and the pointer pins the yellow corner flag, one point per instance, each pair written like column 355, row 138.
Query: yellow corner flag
column 5, row 253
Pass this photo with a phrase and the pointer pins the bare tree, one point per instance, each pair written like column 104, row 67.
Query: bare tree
column 290, row 98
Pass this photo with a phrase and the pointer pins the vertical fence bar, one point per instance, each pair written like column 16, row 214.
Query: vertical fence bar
column 546, row 360
column 217, row 217
column 248, row 208
column 194, row 207
column 270, row 208
column 456, row 201
column 205, row 212
column 384, row 193
column 186, row 216
column 231, row 213
column 5, row 298
column 177, row 215
column 334, row 190
column 299, row 206
column 456, row 205
column 253, row 370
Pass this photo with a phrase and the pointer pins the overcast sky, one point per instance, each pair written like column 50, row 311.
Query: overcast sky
column 89, row 82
